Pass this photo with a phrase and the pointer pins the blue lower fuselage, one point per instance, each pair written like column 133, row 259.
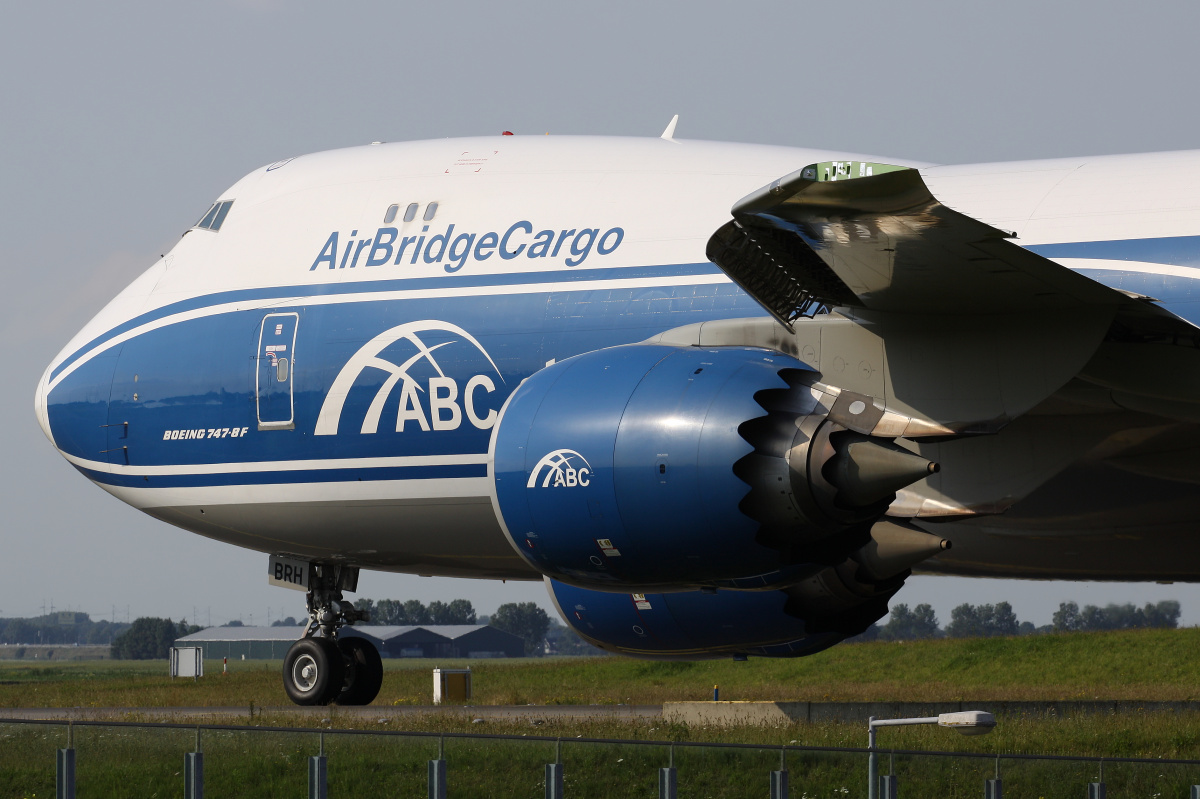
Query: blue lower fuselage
column 353, row 421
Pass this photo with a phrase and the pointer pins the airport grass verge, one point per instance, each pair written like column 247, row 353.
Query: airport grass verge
column 1145, row 665
column 1140, row 665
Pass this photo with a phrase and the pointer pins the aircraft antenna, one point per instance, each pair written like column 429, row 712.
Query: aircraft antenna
column 669, row 133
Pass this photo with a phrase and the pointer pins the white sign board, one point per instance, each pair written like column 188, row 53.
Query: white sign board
column 187, row 661
column 451, row 685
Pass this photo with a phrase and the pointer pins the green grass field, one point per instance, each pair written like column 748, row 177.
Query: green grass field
column 148, row 763
column 1138, row 665
column 1134, row 665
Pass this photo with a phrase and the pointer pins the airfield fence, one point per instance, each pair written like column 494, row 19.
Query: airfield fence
column 107, row 758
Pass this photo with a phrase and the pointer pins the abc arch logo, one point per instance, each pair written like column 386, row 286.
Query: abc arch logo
column 562, row 468
column 436, row 402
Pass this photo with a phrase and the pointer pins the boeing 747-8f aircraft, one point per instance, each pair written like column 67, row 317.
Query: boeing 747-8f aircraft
column 722, row 398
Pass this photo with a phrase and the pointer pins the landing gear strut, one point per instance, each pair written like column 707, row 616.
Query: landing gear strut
column 322, row 669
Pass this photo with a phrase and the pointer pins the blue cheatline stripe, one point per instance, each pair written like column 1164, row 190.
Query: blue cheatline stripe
column 294, row 476
column 1173, row 250
column 399, row 284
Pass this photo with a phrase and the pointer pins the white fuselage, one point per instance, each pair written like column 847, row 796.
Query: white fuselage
column 403, row 337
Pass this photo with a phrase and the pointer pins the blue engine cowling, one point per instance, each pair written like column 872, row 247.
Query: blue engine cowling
column 692, row 625
column 801, row 619
column 613, row 468
column 672, row 468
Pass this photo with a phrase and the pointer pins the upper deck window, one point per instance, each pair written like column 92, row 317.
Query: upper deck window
column 215, row 216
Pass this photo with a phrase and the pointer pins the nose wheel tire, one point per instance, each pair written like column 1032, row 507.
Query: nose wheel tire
column 364, row 672
column 314, row 671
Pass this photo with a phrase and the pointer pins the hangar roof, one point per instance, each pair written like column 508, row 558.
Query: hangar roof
column 449, row 632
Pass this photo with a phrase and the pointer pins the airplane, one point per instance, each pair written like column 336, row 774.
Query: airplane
column 721, row 398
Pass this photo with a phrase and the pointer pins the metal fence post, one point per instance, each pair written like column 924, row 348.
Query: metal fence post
column 193, row 775
column 437, row 779
column 1096, row 790
column 437, row 772
column 1195, row 792
column 318, row 782
column 888, row 786
column 64, row 771
column 554, row 781
column 65, row 774
column 193, row 771
column 779, row 779
column 779, row 785
column 554, row 774
column 667, row 783
column 994, row 788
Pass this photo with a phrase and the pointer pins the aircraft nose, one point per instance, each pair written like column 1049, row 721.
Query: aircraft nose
column 72, row 405
column 39, row 404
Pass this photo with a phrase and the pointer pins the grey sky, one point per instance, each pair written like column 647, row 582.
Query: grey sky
column 120, row 122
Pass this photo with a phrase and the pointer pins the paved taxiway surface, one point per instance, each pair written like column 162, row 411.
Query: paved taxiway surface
column 220, row 714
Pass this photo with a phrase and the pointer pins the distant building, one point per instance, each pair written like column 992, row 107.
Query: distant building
column 441, row 641
column 427, row 641
column 243, row 643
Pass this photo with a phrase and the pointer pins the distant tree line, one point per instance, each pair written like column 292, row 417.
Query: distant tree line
column 1070, row 618
column 59, row 628
column 525, row 619
column 416, row 612
column 989, row 621
column 150, row 639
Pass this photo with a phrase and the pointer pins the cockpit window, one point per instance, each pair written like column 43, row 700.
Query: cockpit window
column 215, row 216
column 222, row 212
column 208, row 217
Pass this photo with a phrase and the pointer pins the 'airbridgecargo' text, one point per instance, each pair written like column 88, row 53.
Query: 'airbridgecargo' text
column 452, row 250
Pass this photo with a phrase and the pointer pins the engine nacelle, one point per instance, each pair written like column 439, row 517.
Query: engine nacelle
column 670, row 468
column 828, row 607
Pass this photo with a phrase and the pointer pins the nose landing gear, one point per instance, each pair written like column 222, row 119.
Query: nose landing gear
column 321, row 669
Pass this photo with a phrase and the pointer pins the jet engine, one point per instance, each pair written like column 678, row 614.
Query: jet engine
column 676, row 468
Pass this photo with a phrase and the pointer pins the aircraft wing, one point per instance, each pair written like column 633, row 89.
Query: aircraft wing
column 873, row 236
column 964, row 328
